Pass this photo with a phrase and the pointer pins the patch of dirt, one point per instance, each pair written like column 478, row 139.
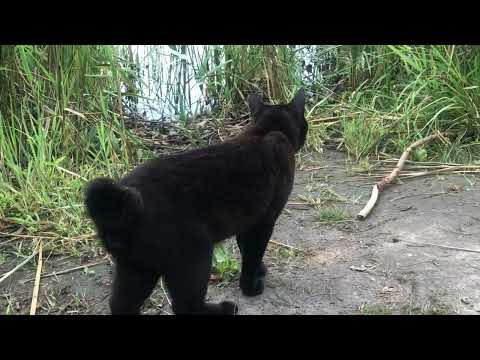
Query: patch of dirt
column 348, row 267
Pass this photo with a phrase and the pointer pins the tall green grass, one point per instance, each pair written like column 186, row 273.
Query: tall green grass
column 60, row 110
column 412, row 91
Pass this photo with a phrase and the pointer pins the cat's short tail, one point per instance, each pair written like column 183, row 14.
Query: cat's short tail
column 114, row 209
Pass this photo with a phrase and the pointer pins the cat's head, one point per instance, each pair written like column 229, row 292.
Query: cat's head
column 287, row 118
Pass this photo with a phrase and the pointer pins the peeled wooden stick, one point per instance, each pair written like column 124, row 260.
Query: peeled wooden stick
column 33, row 306
column 380, row 186
column 370, row 204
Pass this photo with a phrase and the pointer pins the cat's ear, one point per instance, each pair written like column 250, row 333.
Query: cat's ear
column 298, row 102
column 255, row 103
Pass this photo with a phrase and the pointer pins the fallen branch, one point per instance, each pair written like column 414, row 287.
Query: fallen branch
column 33, row 306
column 380, row 186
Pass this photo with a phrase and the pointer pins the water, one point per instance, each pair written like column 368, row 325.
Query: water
column 164, row 71
column 172, row 78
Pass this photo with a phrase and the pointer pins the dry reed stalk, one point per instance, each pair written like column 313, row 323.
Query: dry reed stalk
column 36, row 287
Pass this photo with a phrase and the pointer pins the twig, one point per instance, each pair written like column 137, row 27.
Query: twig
column 438, row 245
column 67, row 270
column 325, row 119
column 6, row 275
column 450, row 170
column 220, row 136
column 422, row 162
column 28, row 236
column 33, row 306
column 296, row 207
column 20, row 236
column 165, row 293
column 418, row 263
column 12, row 234
column 299, row 206
column 414, row 195
column 315, row 168
column 297, row 203
column 3, row 244
column 71, row 173
column 289, row 246
column 165, row 311
column 380, row 186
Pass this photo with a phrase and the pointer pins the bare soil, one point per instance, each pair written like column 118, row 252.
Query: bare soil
column 376, row 266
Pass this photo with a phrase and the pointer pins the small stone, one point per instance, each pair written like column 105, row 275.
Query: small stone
column 466, row 300
column 358, row 268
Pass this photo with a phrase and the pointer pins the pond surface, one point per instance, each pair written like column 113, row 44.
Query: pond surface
column 172, row 77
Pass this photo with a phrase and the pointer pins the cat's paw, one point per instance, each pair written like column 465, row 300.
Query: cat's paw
column 229, row 308
column 252, row 287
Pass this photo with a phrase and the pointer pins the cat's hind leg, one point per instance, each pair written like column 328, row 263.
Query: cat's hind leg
column 131, row 287
column 188, row 284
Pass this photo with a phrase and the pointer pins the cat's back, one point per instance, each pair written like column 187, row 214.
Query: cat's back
column 234, row 172
column 209, row 161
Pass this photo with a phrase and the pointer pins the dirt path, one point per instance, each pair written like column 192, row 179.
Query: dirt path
column 348, row 267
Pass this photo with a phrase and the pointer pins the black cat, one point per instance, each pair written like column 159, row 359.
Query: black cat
column 164, row 218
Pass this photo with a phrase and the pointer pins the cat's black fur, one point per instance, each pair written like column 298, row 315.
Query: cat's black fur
column 164, row 218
